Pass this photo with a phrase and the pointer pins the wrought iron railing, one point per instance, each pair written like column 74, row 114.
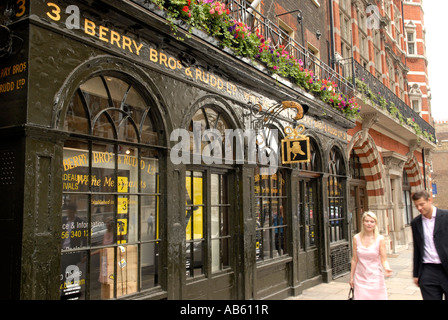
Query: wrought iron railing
column 242, row 11
column 380, row 90
column 344, row 73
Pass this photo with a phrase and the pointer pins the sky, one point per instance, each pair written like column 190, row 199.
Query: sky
column 436, row 14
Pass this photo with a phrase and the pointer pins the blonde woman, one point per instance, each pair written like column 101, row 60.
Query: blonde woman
column 369, row 259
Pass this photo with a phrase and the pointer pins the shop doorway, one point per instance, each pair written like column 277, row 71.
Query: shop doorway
column 209, row 250
column 310, row 226
column 209, row 219
column 310, row 215
column 358, row 203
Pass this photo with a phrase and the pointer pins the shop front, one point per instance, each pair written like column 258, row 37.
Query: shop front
column 123, row 142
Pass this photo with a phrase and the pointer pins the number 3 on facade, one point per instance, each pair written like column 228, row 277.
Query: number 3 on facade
column 55, row 14
column 21, row 8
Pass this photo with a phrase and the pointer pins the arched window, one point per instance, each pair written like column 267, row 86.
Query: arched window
column 270, row 199
column 110, row 230
column 336, row 194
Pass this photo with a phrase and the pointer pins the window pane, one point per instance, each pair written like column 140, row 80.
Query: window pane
column 127, row 219
column 75, row 231
column 95, row 95
column 73, row 275
column 76, row 119
column 102, row 274
column 76, row 170
column 215, row 249
column 103, row 127
column 127, row 268
column 149, row 168
column 149, row 265
column 128, row 166
column 103, row 223
column 149, row 218
column 194, row 223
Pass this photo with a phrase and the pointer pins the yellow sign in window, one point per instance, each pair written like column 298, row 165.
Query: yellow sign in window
column 122, row 205
column 123, row 183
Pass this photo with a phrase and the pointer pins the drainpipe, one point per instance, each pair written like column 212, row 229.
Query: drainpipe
column 330, row 2
column 424, row 167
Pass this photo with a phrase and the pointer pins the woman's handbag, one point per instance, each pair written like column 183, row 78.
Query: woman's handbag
column 351, row 294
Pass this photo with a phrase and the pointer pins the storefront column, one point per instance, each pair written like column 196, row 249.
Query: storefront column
column 296, row 287
column 175, row 230
column 246, row 263
column 40, row 278
column 327, row 274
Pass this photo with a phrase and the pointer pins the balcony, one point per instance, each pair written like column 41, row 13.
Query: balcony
column 385, row 99
column 344, row 77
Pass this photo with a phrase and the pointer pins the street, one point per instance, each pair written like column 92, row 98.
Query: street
column 400, row 286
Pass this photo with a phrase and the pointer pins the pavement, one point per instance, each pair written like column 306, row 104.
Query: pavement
column 400, row 286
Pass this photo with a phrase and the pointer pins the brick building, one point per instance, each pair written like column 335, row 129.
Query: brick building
column 439, row 167
column 393, row 142
column 93, row 91
column 418, row 80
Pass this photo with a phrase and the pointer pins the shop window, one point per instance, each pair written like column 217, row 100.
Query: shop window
column 336, row 184
column 110, row 215
column 406, row 187
column 355, row 166
column 270, row 207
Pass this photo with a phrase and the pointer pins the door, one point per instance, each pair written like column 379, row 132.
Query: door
column 208, row 228
column 358, row 203
column 309, row 220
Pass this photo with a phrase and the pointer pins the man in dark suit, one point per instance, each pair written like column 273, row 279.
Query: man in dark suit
column 430, row 235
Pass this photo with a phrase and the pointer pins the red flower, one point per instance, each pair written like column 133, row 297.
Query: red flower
column 186, row 9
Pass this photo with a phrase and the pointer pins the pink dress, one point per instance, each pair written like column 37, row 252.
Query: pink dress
column 369, row 278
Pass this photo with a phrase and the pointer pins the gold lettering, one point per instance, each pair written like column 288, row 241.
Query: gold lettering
column 102, row 33
column 163, row 59
column 172, row 63
column 220, row 84
column 109, row 182
column 153, row 56
column 89, row 27
column 127, row 43
column 204, row 79
column 213, row 81
column 137, row 48
column 115, row 38
column 55, row 13
column 198, row 74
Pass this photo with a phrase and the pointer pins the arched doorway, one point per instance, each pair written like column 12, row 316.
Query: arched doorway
column 210, row 218
column 309, row 213
column 358, row 201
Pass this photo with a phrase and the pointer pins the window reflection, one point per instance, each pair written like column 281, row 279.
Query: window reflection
column 271, row 221
column 336, row 195
column 110, row 233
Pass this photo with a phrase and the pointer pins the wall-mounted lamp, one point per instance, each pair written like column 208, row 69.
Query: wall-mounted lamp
column 318, row 34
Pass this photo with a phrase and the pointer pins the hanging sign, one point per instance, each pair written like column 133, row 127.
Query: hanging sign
column 295, row 146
